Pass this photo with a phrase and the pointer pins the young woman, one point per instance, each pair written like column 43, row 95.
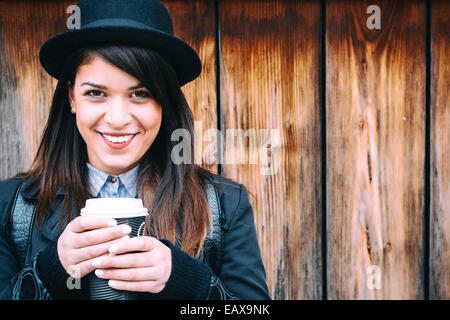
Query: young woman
column 108, row 134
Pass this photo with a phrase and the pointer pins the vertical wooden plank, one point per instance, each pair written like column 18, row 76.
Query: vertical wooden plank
column 440, row 150
column 194, row 22
column 269, row 75
column 375, row 98
column 26, row 90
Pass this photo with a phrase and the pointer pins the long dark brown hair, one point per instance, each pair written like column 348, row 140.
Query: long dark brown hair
column 175, row 194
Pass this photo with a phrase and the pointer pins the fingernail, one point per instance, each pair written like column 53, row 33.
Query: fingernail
column 127, row 237
column 112, row 223
column 113, row 248
column 126, row 229
column 96, row 262
column 99, row 272
column 112, row 283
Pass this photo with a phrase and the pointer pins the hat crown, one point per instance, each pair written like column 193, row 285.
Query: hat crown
column 151, row 13
column 142, row 23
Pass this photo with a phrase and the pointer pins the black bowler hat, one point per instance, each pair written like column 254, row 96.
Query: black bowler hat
column 144, row 23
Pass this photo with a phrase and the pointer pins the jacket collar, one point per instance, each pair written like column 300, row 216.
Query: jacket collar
column 33, row 193
column 49, row 229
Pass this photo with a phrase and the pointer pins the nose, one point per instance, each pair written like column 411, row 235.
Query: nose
column 118, row 114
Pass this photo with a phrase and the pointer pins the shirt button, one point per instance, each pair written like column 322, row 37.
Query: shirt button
column 113, row 179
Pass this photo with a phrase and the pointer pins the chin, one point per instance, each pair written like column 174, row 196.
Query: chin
column 118, row 165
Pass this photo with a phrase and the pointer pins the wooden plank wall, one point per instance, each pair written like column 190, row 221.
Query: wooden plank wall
column 26, row 89
column 439, row 260
column 375, row 141
column 285, row 59
column 353, row 121
column 195, row 22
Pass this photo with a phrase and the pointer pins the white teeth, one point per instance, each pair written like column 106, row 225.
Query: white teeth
column 118, row 139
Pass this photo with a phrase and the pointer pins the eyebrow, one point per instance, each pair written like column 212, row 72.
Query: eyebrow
column 138, row 86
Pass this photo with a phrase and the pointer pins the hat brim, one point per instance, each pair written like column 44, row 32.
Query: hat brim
column 183, row 58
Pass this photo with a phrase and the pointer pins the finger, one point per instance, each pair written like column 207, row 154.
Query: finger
column 84, row 223
column 123, row 261
column 91, row 252
column 143, row 244
column 137, row 286
column 88, row 266
column 134, row 274
column 93, row 237
column 81, row 269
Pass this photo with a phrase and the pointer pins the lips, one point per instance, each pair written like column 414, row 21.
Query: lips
column 117, row 140
column 117, row 134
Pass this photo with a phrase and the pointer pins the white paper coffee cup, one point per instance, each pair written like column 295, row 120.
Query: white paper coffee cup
column 114, row 208
column 128, row 211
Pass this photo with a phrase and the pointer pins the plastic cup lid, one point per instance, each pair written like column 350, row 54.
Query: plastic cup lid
column 114, row 207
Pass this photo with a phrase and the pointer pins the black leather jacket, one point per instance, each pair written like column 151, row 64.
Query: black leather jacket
column 230, row 266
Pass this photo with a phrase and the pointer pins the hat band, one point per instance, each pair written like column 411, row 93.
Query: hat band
column 120, row 22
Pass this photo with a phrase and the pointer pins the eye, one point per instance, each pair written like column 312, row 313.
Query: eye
column 141, row 94
column 94, row 93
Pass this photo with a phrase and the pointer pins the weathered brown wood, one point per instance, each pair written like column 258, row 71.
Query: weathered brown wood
column 375, row 102
column 269, row 72
column 26, row 88
column 440, row 151
column 269, row 79
column 194, row 22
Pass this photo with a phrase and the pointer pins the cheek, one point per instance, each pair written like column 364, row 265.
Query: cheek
column 152, row 126
column 151, row 120
column 85, row 121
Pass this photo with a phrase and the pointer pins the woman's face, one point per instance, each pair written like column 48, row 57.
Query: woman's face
column 115, row 115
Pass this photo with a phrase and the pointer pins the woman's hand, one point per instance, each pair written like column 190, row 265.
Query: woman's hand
column 137, row 264
column 86, row 238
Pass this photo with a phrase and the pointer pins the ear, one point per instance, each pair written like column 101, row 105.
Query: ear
column 70, row 97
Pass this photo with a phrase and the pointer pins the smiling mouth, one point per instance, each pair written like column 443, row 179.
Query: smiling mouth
column 118, row 138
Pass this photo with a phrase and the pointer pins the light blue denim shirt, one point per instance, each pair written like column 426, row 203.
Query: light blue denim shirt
column 104, row 185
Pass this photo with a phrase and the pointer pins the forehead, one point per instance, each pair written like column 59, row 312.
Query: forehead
column 98, row 70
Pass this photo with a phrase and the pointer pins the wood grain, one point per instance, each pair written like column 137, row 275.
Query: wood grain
column 194, row 22
column 375, row 101
column 269, row 77
column 26, row 88
column 440, row 149
column 269, row 74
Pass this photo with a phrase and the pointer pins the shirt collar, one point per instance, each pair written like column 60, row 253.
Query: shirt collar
column 97, row 180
